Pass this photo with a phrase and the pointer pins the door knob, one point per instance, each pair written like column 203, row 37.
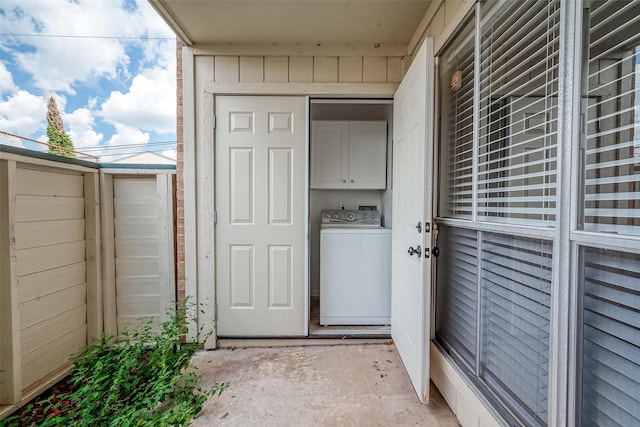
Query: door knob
column 435, row 251
column 416, row 251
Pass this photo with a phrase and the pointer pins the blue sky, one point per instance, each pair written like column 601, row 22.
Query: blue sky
column 110, row 64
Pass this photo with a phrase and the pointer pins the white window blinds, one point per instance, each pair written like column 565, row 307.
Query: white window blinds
column 457, row 292
column 611, row 338
column 612, row 152
column 518, row 112
column 456, row 126
column 514, row 358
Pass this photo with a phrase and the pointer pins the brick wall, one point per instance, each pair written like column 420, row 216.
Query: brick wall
column 180, row 270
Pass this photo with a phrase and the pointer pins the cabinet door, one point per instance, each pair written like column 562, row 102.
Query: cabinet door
column 329, row 153
column 367, row 154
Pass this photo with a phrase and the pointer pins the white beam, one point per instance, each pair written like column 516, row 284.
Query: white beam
column 10, row 366
column 110, row 323
column 93, row 256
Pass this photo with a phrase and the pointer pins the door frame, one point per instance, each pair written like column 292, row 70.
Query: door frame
column 385, row 101
column 307, row 220
column 306, row 254
column 199, row 179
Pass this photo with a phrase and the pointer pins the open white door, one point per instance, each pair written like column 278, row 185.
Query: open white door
column 260, row 202
column 412, row 199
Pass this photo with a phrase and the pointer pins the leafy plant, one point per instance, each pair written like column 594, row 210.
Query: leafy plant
column 144, row 378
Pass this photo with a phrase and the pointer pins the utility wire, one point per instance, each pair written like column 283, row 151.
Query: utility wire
column 116, row 147
column 129, row 153
column 87, row 37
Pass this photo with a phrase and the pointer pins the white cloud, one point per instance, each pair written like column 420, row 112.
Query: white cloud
column 126, row 135
column 56, row 63
column 6, row 80
column 23, row 113
column 170, row 154
column 80, row 124
column 88, row 56
column 150, row 103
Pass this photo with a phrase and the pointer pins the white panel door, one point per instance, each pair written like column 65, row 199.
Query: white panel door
column 412, row 194
column 260, row 201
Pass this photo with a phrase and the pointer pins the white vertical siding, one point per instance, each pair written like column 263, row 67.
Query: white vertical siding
column 306, row 69
column 251, row 68
column 301, row 69
column 276, row 69
column 227, row 69
column 374, row 69
column 440, row 22
column 350, row 69
column 394, row 70
column 325, row 69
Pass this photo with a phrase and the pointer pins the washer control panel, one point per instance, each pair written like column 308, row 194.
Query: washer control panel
column 351, row 217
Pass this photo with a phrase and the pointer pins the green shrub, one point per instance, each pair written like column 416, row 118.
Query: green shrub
column 60, row 143
column 144, row 378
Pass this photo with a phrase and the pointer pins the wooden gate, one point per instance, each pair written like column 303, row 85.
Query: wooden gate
column 138, row 245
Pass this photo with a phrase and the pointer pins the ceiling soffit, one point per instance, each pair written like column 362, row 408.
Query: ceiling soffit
column 294, row 23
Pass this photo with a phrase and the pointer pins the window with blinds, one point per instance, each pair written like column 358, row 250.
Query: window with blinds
column 518, row 111
column 497, row 325
column 611, row 155
column 610, row 338
column 456, row 126
column 514, row 334
column 457, row 292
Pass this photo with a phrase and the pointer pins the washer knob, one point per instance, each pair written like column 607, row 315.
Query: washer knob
column 351, row 216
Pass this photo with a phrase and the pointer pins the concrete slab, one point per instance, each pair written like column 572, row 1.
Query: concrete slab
column 345, row 384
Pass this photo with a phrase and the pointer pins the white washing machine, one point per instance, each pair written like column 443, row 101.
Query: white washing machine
column 355, row 269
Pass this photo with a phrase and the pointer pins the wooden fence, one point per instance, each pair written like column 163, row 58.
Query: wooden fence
column 83, row 250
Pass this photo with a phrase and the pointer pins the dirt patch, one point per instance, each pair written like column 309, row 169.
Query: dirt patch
column 39, row 409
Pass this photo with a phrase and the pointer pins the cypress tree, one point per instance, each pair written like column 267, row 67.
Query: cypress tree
column 59, row 141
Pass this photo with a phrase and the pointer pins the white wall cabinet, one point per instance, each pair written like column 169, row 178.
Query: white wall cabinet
column 348, row 154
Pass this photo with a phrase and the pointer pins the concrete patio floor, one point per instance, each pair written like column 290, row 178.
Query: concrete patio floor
column 314, row 383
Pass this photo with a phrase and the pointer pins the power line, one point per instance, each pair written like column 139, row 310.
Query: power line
column 129, row 153
column 116, row 147
column 133, row 151
column 86, row 37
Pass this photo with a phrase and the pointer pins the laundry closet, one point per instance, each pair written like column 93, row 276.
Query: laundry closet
column 350, row 216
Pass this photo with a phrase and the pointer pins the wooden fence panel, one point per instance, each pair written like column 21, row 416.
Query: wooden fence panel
column 58, row 222
column 50, row 244
column 140, row 278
